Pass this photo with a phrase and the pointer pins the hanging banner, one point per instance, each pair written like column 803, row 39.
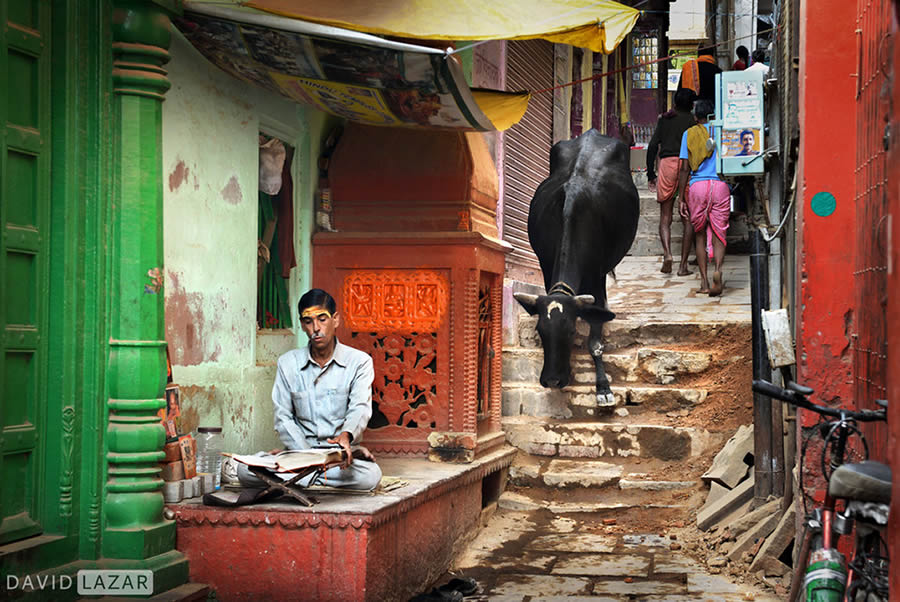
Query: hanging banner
column 356, row 76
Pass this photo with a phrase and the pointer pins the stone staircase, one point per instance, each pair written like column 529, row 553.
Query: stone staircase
column 679, row 365
column 646, row 241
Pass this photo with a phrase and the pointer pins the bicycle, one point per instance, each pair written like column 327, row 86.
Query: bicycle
column 865, row 489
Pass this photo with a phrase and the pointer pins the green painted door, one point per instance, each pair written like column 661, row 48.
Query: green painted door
column 24, row 206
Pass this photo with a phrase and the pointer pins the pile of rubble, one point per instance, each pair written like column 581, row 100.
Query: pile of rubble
column 743, row 536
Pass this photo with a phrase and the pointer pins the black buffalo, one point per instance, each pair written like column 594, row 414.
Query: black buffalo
column 581, row 223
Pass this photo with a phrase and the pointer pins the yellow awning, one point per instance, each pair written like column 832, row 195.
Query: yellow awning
column 598, row 26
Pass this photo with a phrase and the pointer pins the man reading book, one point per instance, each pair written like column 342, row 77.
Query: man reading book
column 323, row 398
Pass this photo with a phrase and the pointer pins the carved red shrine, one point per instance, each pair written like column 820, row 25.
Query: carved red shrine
column 416, row 268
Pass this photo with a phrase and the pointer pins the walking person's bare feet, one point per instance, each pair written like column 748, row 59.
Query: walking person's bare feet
column 683, row 270
column 717, row 285
column 666, row 265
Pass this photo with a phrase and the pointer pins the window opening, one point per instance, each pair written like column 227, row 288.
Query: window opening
column 275, row 256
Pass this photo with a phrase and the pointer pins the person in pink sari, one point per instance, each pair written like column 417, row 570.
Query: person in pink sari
column 707, row 202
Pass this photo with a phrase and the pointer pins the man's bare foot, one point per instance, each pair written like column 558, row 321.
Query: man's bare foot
column 666, row 266
column 703, row 290
column 683, row 271
column 717, row 286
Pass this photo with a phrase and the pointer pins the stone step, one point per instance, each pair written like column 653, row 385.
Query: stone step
column 645, row 365
column 624, row 333
column 580, row 401
column 541, row 437
column 523, row 502
column 591, row 474
column 645, row 245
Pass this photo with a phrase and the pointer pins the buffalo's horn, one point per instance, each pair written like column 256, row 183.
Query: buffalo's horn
column 584, row 300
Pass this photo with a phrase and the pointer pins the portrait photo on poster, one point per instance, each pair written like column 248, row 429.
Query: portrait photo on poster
column 740, row 142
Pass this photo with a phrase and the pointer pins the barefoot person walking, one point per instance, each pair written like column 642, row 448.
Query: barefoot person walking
column 706, row 203
column 663, row 167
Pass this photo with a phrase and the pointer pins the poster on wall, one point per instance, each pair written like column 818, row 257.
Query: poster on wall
column 679, row 58
column 740, row 142
column 357, row 81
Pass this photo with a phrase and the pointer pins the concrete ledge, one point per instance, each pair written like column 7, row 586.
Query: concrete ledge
column 348, row 546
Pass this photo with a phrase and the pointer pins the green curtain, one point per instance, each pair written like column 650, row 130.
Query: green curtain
column 272, row 307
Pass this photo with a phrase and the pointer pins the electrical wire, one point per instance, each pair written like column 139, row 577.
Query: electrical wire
column 787, row 213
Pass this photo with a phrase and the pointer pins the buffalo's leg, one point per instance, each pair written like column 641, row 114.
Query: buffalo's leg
column 595, row 346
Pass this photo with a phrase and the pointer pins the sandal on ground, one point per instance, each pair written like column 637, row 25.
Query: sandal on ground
column 465, row 585
column 716, row 289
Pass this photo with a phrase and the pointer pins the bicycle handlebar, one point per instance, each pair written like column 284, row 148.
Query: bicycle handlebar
column 799, row 400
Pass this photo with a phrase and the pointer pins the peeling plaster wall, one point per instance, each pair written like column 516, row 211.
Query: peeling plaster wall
column 210, row 127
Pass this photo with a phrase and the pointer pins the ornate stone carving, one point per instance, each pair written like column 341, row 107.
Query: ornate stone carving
column 65, row 484
column 402, row 301
column 405, row 389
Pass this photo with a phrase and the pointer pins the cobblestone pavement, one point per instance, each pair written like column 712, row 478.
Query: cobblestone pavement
column 522, row 556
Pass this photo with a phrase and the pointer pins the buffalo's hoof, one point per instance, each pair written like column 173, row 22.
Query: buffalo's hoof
column 606, row 400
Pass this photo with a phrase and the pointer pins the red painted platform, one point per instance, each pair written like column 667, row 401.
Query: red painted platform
column 348, row 547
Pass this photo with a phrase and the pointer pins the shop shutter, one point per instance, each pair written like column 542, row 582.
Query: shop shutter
column 526, row 145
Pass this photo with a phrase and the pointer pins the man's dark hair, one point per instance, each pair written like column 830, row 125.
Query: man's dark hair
column 316, row 297
column 703, row 108
column 705, row 48
column 684, row 99
column 742, row 52
column 744, row 133
column 759, row 56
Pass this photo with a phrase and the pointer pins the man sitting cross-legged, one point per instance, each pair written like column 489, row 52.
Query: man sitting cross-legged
column 323, row 398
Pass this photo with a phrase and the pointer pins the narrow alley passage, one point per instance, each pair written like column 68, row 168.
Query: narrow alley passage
column 602, row 503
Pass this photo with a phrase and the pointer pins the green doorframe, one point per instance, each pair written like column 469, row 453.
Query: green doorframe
column 133, row 524
column 100, row 500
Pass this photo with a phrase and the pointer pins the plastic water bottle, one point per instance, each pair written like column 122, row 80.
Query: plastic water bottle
column 826, row 576
column 210, row 444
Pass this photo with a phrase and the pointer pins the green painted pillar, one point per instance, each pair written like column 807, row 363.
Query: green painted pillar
column 133, row 524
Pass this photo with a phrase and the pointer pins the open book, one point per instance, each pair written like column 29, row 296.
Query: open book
column 292, row 460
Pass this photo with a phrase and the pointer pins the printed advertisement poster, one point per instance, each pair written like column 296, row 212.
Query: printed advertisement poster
column 357, row 81
column 740, row 142
column 675, row 65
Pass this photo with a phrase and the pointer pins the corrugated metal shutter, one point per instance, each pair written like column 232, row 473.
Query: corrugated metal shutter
column 526, row 145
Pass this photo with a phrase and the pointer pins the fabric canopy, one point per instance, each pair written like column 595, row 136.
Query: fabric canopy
column 596, row 25
column 369, row 79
